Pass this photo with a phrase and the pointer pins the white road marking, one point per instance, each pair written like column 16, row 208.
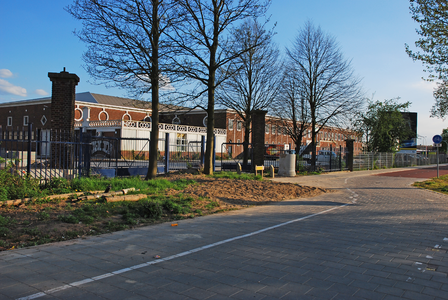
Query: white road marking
column 78, row 283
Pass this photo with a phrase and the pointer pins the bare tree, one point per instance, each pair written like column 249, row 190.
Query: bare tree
column 292, row 107
column 127, row 48
column 254, row 82
column 326, row 79
column 205, row 42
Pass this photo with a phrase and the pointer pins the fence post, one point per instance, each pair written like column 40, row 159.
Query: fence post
column 80, row 160
column 340, row 158
column 117, row 154
column 28, row 165
column 350, row 154
column 202, row 149
column 87, row 155
column 167, row 152
column 331, row 154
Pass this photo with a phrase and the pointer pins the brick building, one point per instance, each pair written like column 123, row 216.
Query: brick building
column 111, row 116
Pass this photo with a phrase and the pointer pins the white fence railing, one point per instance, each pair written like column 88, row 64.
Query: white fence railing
column 370, row 161
column 143, row 125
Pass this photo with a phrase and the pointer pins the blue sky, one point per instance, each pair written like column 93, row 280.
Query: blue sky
column 36, row 37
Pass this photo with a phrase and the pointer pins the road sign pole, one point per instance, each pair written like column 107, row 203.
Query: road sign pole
column 437, row 139
column 437, row 162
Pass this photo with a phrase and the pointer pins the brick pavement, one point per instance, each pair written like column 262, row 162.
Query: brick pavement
column 388, row 243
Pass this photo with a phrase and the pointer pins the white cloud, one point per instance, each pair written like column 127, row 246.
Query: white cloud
column 5, row 73
column 9, row 88
column 41, row 92
column 423, row 85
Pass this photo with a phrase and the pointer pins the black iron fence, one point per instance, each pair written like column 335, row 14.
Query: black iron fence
column 42, row 153
column 46, row 154
column 232, row 154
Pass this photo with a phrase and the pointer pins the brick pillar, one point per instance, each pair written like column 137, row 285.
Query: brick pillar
column 62, row 117
column 349, row 147
column 258, row 127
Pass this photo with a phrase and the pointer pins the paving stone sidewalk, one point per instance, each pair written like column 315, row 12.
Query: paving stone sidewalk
column 375, row 237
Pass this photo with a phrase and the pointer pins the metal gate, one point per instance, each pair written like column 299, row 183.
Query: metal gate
column 111, row 156
column 232, row 154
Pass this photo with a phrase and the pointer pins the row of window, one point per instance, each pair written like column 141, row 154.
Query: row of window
column 276, row 129
column 239, row 125
column 26, row 120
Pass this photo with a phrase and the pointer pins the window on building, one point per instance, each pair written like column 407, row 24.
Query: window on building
column 126, row 117
column 176, row 120
column 43, row 120
column 181, row 142
column 25, row 120
column 266, row 128
column 9, row 123
column 273, row 129
column 239, row 125
column 230, row 124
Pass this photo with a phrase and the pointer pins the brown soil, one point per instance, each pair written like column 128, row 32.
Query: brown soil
column 38, row 223
column 243, row 193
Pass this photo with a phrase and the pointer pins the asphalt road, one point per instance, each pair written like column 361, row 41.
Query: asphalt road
column 374, row 237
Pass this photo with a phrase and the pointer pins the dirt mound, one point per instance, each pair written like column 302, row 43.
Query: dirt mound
column 241, row 193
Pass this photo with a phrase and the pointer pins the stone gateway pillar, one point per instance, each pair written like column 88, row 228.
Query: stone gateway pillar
column 349, row 147
column 258, row 132
column 62, row 117
column 63, row 100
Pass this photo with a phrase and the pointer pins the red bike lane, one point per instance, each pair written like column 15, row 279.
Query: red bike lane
column 419, row 172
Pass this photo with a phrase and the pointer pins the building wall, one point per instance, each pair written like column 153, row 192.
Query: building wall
column 98, row 113
column 224, row 119
column 35, row 113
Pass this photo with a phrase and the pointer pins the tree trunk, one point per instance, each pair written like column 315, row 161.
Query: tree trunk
column 154, row 136
column 313, row 143
column 208, row 164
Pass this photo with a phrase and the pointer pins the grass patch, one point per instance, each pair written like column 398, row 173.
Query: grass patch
column 14, row 186
column 45, row 220
column 435, row 184
column 235, row 175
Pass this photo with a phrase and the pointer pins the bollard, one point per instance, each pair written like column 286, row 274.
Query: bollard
column 259, row 168
column 272, row 171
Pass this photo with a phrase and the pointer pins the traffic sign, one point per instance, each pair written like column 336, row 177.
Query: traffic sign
column 437, row 139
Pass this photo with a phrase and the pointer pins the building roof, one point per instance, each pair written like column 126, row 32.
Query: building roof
column 99, row 99
column 112, row 100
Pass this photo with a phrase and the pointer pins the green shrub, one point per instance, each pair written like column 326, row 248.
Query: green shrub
column 59, row 186
column 151, row 209
column 130, row 218
column 16, row 186
column 173, row 208
column 68, row 219
column 43, row 216
column 7, row 221
column 3, row 194
column 4, row 231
